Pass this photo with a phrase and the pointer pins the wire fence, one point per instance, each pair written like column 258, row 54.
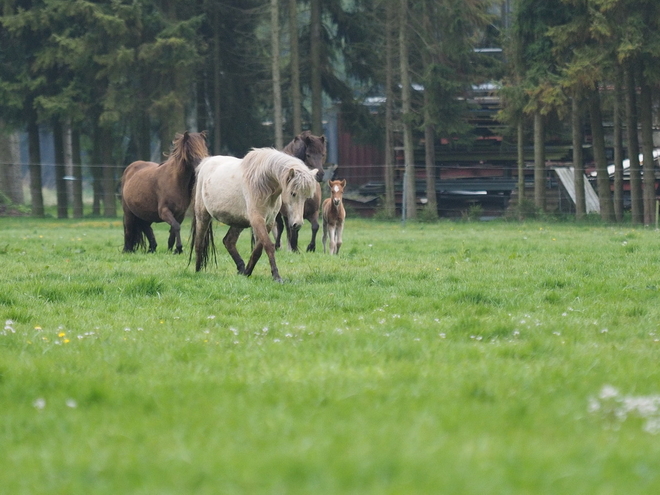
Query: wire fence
column 485, row 188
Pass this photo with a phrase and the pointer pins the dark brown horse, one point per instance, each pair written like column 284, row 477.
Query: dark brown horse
column 160, row 193
column 311, row 150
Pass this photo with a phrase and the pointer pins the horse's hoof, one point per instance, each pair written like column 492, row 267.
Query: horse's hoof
column 178, row 250
column 311, row 249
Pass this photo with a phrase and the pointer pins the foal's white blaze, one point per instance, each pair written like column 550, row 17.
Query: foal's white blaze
column 336, row 188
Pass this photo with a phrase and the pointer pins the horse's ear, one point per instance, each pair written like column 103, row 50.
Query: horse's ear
column 343, row 183
column 323, row 138
column 330, row 184
column 290, row 175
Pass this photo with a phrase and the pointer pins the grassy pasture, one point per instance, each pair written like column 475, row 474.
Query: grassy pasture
column 432, row 358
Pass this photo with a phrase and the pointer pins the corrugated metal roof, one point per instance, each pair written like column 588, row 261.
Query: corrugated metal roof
column 566, row 176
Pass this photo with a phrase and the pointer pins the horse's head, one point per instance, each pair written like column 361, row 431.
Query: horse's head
column 337, row 190
column 300, row 184
column 310, row 149
column 190, row 148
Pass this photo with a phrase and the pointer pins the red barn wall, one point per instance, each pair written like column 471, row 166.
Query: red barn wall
column 358, row 163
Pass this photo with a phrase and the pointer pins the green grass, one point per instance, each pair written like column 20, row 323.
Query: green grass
column 431, row 358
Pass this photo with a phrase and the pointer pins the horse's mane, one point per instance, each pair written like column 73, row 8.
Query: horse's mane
column 266, row 170
column 187, row 147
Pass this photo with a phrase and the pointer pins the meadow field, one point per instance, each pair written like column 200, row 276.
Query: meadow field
column 452, row 357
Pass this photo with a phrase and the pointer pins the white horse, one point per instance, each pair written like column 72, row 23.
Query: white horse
column 246, row 193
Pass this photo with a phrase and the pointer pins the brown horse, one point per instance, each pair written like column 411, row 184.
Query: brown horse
column 311, row 150
column 334, row 215
column 160, row 193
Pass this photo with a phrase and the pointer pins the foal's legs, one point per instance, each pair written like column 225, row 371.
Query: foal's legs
column 230, row 240
column 333, row 238
column 340, row 229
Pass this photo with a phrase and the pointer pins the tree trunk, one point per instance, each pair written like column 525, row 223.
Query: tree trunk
column 598, row 138
column 429, row 155
column 34, row 147
column 520, row 149
column 60, row 170
column 390, row 203
column 315, row 63
column 142, row 133
column 618, row 144
column 428, row 57
column 578, row 163
column 143, row 137
column 217, row 86
column 200, row 101
column 96, row 168
column 637, row 209
column 406, row 115
column 296, row 98
column 10, row 166
column 277, row 83
column 539, row 160
column 646, row 123
column 104, row 176
column 76, row 158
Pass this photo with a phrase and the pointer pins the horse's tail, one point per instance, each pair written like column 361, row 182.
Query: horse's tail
column 206, row 247
column 193, row 233
column 134, row 237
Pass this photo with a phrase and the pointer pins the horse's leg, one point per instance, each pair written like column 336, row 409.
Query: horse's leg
column 293, row 240
column 314, row 220
column 175, row 230
column 292, row 236
column 325, row 233
column 340, row 230
column 254, row 257
column 279, row 228
column 149, row 232
column 230, row 240
column 263, row 243
column 333, row 239
column 171, row 239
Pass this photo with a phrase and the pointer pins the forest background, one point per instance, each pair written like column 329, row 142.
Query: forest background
column 114, row 80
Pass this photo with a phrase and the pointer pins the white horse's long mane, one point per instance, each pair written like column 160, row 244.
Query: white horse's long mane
column 265, row 170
